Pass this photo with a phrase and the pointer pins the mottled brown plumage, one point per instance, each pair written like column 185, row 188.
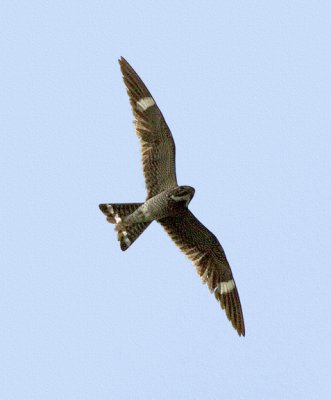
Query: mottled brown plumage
column 205, row 251
column 157, row 144
column 167, row 202
column 113, row 211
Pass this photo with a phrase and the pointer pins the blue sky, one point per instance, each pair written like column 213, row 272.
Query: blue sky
column 245, row 88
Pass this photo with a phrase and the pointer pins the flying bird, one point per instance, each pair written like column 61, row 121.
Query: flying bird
column 167, row 203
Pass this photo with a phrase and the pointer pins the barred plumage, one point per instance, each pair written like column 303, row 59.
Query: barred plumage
column 157, row 144
column 167, row 202
column 116, row 213
column 208, row 256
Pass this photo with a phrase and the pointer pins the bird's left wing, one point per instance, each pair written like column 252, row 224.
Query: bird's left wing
column 207, row 254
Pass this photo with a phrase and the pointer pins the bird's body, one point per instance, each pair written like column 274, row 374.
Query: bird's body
column 167, row 203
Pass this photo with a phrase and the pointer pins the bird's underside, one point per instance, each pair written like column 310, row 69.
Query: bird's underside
column 167, row 203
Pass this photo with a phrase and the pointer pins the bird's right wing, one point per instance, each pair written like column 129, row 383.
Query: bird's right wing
column 207, row 254
column 157, row 144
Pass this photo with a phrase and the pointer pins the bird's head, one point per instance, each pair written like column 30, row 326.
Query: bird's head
column 182, row 194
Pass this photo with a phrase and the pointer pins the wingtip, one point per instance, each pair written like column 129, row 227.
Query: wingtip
column 122, row 61
column 125, row 67
column 240, row 331
column 230, row 303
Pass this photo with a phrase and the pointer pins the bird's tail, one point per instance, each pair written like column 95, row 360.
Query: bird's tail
column 126, row 234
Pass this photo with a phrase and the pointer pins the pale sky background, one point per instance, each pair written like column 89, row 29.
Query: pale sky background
column 245, row 87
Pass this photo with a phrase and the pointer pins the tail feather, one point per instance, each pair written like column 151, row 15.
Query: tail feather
column 115, row 211
column 126, row 234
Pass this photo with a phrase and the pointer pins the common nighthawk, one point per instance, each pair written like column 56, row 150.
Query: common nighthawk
column 167, row 203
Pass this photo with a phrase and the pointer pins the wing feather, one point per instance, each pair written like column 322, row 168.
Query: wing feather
column 207, row 254
column 157, row 144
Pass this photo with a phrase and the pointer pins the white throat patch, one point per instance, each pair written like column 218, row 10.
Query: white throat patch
column 185, row 198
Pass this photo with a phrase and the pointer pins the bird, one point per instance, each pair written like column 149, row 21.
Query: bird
column 167, row 202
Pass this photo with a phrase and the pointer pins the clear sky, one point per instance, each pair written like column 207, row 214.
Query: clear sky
column 245, row 87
